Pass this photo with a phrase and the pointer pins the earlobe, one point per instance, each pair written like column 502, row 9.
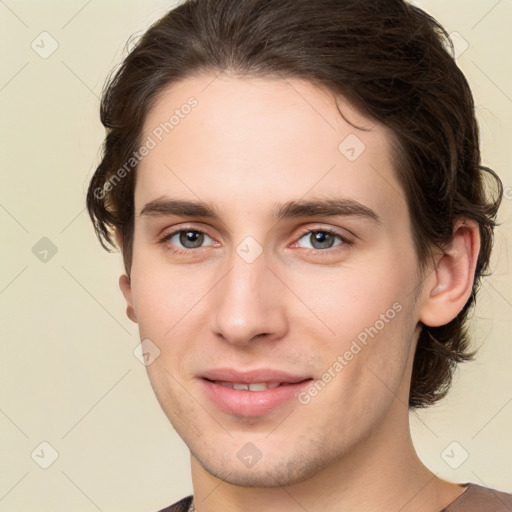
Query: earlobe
column 125, row 283
column 451, row 283
column 126, row 289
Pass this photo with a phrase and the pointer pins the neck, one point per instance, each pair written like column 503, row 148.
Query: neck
column 382, row 473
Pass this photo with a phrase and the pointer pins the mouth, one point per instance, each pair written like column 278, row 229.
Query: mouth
column 253, row 386
column 253, row 393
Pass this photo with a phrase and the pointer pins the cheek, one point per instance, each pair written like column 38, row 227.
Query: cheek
column 347, row 301
column 161, row 294
column 372, row 368
column 365, row 318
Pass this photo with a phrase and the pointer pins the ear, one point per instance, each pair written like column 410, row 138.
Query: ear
column 449, row 286
column 126, row 289
column 125, row 283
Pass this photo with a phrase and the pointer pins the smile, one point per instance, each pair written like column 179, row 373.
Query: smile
column 257, row 386
column 247, row 395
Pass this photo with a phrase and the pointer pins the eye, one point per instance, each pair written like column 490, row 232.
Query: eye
column 321, row 239
column 183, row 241
column 187, row 239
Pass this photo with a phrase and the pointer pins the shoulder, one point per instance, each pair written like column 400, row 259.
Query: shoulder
column 481, row 499
column 180, row 506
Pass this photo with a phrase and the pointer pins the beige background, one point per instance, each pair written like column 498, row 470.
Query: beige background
column 68, row 373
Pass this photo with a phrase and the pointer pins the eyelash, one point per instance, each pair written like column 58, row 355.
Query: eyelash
column 344, row 241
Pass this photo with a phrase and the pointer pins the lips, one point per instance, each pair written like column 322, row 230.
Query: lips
column 268, row 376
column 251, row 393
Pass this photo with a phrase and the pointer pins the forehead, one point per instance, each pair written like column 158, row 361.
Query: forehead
column 261, row 142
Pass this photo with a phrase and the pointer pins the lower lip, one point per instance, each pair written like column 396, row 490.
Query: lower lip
column 251, row 403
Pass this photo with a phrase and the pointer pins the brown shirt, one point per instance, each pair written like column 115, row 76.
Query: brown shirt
column 481, row 499
column 474, row 499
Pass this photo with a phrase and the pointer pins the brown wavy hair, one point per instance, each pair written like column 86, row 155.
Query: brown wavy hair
column 391, row 60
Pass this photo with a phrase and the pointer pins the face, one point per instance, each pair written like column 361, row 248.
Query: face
column 274, row 270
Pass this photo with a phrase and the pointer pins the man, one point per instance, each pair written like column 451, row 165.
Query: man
column 297, row 192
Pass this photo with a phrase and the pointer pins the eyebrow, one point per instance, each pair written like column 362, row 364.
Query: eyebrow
column 328, row 207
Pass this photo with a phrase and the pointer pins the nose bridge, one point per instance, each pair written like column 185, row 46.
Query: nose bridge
column 247, row 303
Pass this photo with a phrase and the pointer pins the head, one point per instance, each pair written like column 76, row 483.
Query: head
column 268, row 114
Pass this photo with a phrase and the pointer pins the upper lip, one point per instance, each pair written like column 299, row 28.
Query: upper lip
column 252, row 376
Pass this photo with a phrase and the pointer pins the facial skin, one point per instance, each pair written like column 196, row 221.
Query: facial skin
column 248, row 147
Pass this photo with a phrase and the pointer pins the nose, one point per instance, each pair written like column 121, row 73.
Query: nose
column 249, row 303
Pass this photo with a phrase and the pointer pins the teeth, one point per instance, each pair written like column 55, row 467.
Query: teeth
column 226, row 384
column 256, row 386
column 261, row 386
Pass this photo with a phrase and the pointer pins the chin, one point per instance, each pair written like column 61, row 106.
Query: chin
column 265, row 474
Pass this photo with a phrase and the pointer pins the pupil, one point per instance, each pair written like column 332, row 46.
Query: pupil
column 321, row 240
column 191, row 239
